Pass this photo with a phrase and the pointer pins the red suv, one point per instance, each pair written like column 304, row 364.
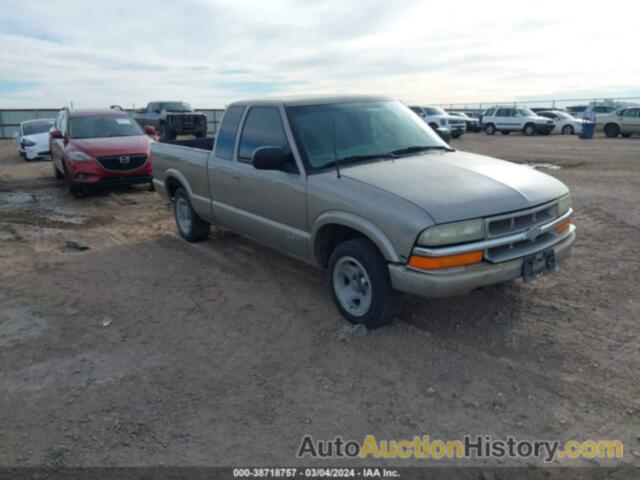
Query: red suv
column 104, row 147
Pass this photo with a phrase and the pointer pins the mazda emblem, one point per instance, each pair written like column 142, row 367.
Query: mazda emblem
column 124, row 160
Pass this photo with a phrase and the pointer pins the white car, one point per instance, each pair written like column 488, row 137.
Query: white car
column 565, row 124
column 515, row 119
column 436, row 118
column 32, row 138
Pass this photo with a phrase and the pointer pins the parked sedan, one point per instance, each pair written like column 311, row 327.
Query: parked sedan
column 473, row 124
column 104, row 147
column 32, row 138
column 565, row 123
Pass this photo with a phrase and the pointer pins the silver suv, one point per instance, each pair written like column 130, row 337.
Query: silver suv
column 515, row 119
column 363, row 187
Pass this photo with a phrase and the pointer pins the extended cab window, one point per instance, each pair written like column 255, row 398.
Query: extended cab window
column 226, row 136
column 263, row 127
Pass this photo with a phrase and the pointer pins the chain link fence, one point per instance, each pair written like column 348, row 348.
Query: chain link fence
column 10, row 119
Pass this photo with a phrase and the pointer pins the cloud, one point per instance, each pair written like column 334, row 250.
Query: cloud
column 211, row 52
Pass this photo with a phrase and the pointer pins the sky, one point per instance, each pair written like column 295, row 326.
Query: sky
column 209, row 52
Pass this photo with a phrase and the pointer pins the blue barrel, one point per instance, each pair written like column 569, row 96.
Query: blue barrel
column 588, row 129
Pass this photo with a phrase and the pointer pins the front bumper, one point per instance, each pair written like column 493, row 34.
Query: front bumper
column 458, row 129
column 93, row 174
column 460, row 281
column 36, row 152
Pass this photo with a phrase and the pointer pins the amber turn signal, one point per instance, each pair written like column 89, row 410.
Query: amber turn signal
column 561, row 227
column 437, row 263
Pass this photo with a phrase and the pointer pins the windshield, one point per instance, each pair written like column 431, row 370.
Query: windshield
column 33, row 128
column 525, row 112
column 174, row 107
column 563, row 115
column 357, row 131
column 103, row 126
column 434, row 111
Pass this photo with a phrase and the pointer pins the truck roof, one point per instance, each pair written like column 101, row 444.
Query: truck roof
column 299, row 101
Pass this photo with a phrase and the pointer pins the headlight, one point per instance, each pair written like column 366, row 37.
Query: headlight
column 564, row 204
column 80, row 156
column 451, row 233
column 443, row 122
column 28, row 143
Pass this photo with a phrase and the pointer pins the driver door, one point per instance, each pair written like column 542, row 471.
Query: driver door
column 270, row 205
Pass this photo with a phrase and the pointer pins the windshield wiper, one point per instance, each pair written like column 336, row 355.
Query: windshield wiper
column 358, row 158
column 420, row 148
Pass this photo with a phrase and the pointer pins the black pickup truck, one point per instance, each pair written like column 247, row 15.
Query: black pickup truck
column 173, row 118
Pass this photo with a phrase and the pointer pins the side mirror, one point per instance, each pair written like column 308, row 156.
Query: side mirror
column 55, row 133
column 269, row 158
column 150, row 130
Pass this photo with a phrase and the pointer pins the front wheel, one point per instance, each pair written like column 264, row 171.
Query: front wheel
column 191, row 227
column 57, row 173
column 612, row 130
column 360, row 283
column 490, row 129
column 455, row 135
column 529, row 129
column 567, row 130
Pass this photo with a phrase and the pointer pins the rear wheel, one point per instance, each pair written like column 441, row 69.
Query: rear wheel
column 567, row 130
column 611, row 130
column 191, row 227
column 626, row 135
column 490, row 129
column 529, row 129
column 360, row 284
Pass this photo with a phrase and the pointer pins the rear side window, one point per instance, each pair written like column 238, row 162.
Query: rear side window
column 503, row 112
column 226, row 136
column 263, row 127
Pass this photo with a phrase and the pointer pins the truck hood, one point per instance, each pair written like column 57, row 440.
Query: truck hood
column 452, row 186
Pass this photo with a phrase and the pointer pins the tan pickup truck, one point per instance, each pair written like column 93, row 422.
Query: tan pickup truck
column 363, row 187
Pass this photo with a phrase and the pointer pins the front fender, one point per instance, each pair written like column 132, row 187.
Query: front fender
column 364, row 226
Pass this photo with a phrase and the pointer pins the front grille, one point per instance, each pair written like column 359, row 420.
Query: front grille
column 518, row 222
column 122, row 163
column 457, row 122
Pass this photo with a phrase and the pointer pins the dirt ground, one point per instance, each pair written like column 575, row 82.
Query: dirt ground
column 147, row 350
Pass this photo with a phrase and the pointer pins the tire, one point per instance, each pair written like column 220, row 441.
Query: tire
column 490, row 129
column 626, row 135
column 76, row 190
column 191, row 227
column 568, row 130
column 57, row 173
column 373, row 301
column 611, row 130
column 152, row 187
column 529, row 129
column 505, row 132
column 455, row 135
